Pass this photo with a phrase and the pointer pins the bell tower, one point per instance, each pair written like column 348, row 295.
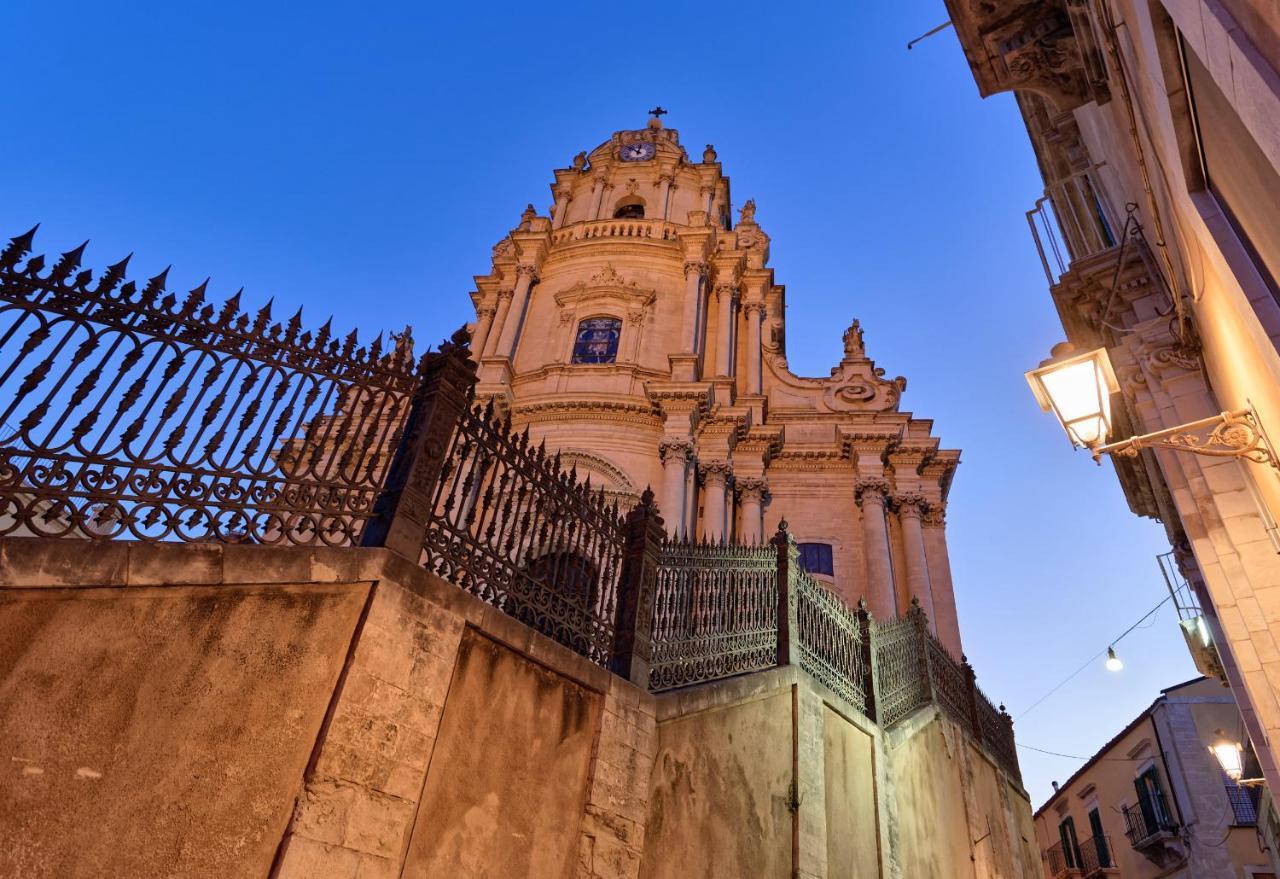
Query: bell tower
column 636, row 327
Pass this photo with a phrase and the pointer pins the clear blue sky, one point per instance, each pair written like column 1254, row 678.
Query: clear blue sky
column 361, row 160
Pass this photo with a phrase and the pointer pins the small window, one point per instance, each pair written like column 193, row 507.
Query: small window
column 597, row 340
column 815, row 558
column 629, row 212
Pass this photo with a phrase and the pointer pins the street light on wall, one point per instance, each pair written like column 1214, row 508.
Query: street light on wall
column 1077, row 388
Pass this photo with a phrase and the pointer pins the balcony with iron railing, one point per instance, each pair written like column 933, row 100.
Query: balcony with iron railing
column 1095, row 858
column 1073, row 220
column 1149, row 821
column 1063, row 861
column 1191, row 618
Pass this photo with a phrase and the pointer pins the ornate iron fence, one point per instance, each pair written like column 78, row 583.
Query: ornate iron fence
column 715, row 612
column 513, row 529
column 833, row 640
column 128, row 413
column 902, row 674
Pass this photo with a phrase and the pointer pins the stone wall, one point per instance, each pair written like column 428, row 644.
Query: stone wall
column 221, row 711
column 774, row 775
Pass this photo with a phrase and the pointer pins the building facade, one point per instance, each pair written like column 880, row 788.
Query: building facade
column 639, row 331
column 1155, row 128
column 1154, row 801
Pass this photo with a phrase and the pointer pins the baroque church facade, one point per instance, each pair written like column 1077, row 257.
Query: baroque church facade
column 639, row 331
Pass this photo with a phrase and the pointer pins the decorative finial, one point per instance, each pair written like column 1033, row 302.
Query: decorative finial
column 709, row 154
column 749, row 211
column 657, row 113
column 526, row 218
column 580, row 161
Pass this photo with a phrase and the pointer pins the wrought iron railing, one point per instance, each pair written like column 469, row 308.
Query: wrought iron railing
column 902, row 672
column 1063, row 861
column 715, row 612
column 833, row 640
column 1244, row 802
column 1071, row 221
column 513, row 529
column 127, row 412
column 1148, row 819
column 1095, row 856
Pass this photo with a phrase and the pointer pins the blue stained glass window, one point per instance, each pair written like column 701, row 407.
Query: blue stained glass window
column 597, row 340
column 815, row 558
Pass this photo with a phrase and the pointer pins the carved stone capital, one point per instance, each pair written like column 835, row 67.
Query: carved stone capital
column 693, row 266
column 715, row 472
column 524, row 269
column 565, row 195
column 874, row 488
column 725, row 289
column 675, row 449
column 910, row 504
column 754, row 488
column 506, row 293
column 935, row 517
column 757, row 309
column 486, row 311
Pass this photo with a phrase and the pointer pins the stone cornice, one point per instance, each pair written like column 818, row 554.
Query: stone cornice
column 597, row 410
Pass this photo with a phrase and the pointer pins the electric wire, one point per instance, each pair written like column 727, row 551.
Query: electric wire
column 1091, row 659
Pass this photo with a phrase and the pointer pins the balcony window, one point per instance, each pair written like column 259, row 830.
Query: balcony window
column 1244, row 802
column 597, row 340
column 1150, row 817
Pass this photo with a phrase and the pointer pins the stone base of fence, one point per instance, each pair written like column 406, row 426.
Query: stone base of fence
column 345, row 712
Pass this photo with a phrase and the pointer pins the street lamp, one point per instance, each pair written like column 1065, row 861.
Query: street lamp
column 1077, row 388
column 1230, row 756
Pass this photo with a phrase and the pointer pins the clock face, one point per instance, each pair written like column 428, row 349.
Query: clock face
column 638, row 152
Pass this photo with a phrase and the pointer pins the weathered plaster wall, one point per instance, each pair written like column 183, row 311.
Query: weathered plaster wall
column 211, row 711
column 773, row 775
column 487, row 808
column 152, row 730
column 720, row 788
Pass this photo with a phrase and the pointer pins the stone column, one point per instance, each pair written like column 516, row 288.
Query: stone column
column 499, row 321
column 484, row 321
column 911, row 507
column 597, row 191
column 944, row 617
column 707, row 193
column 715, row 484
column 664, row 190
column 755, row 316
column 870, row 493
column 561, row 208
column 675, row 454
column 752, row 490
column 725, row 296
column 694, row 272
column 515, row 315
column 605, row 198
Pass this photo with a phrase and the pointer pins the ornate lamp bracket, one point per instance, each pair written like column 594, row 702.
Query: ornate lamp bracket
column 1235, row 434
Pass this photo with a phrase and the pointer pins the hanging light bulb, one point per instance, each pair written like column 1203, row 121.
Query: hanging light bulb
column 1113, row 661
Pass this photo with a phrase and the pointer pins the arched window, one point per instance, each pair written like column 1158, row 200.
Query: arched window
column 815, row 558
column 630, row 207
column 597, row 340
